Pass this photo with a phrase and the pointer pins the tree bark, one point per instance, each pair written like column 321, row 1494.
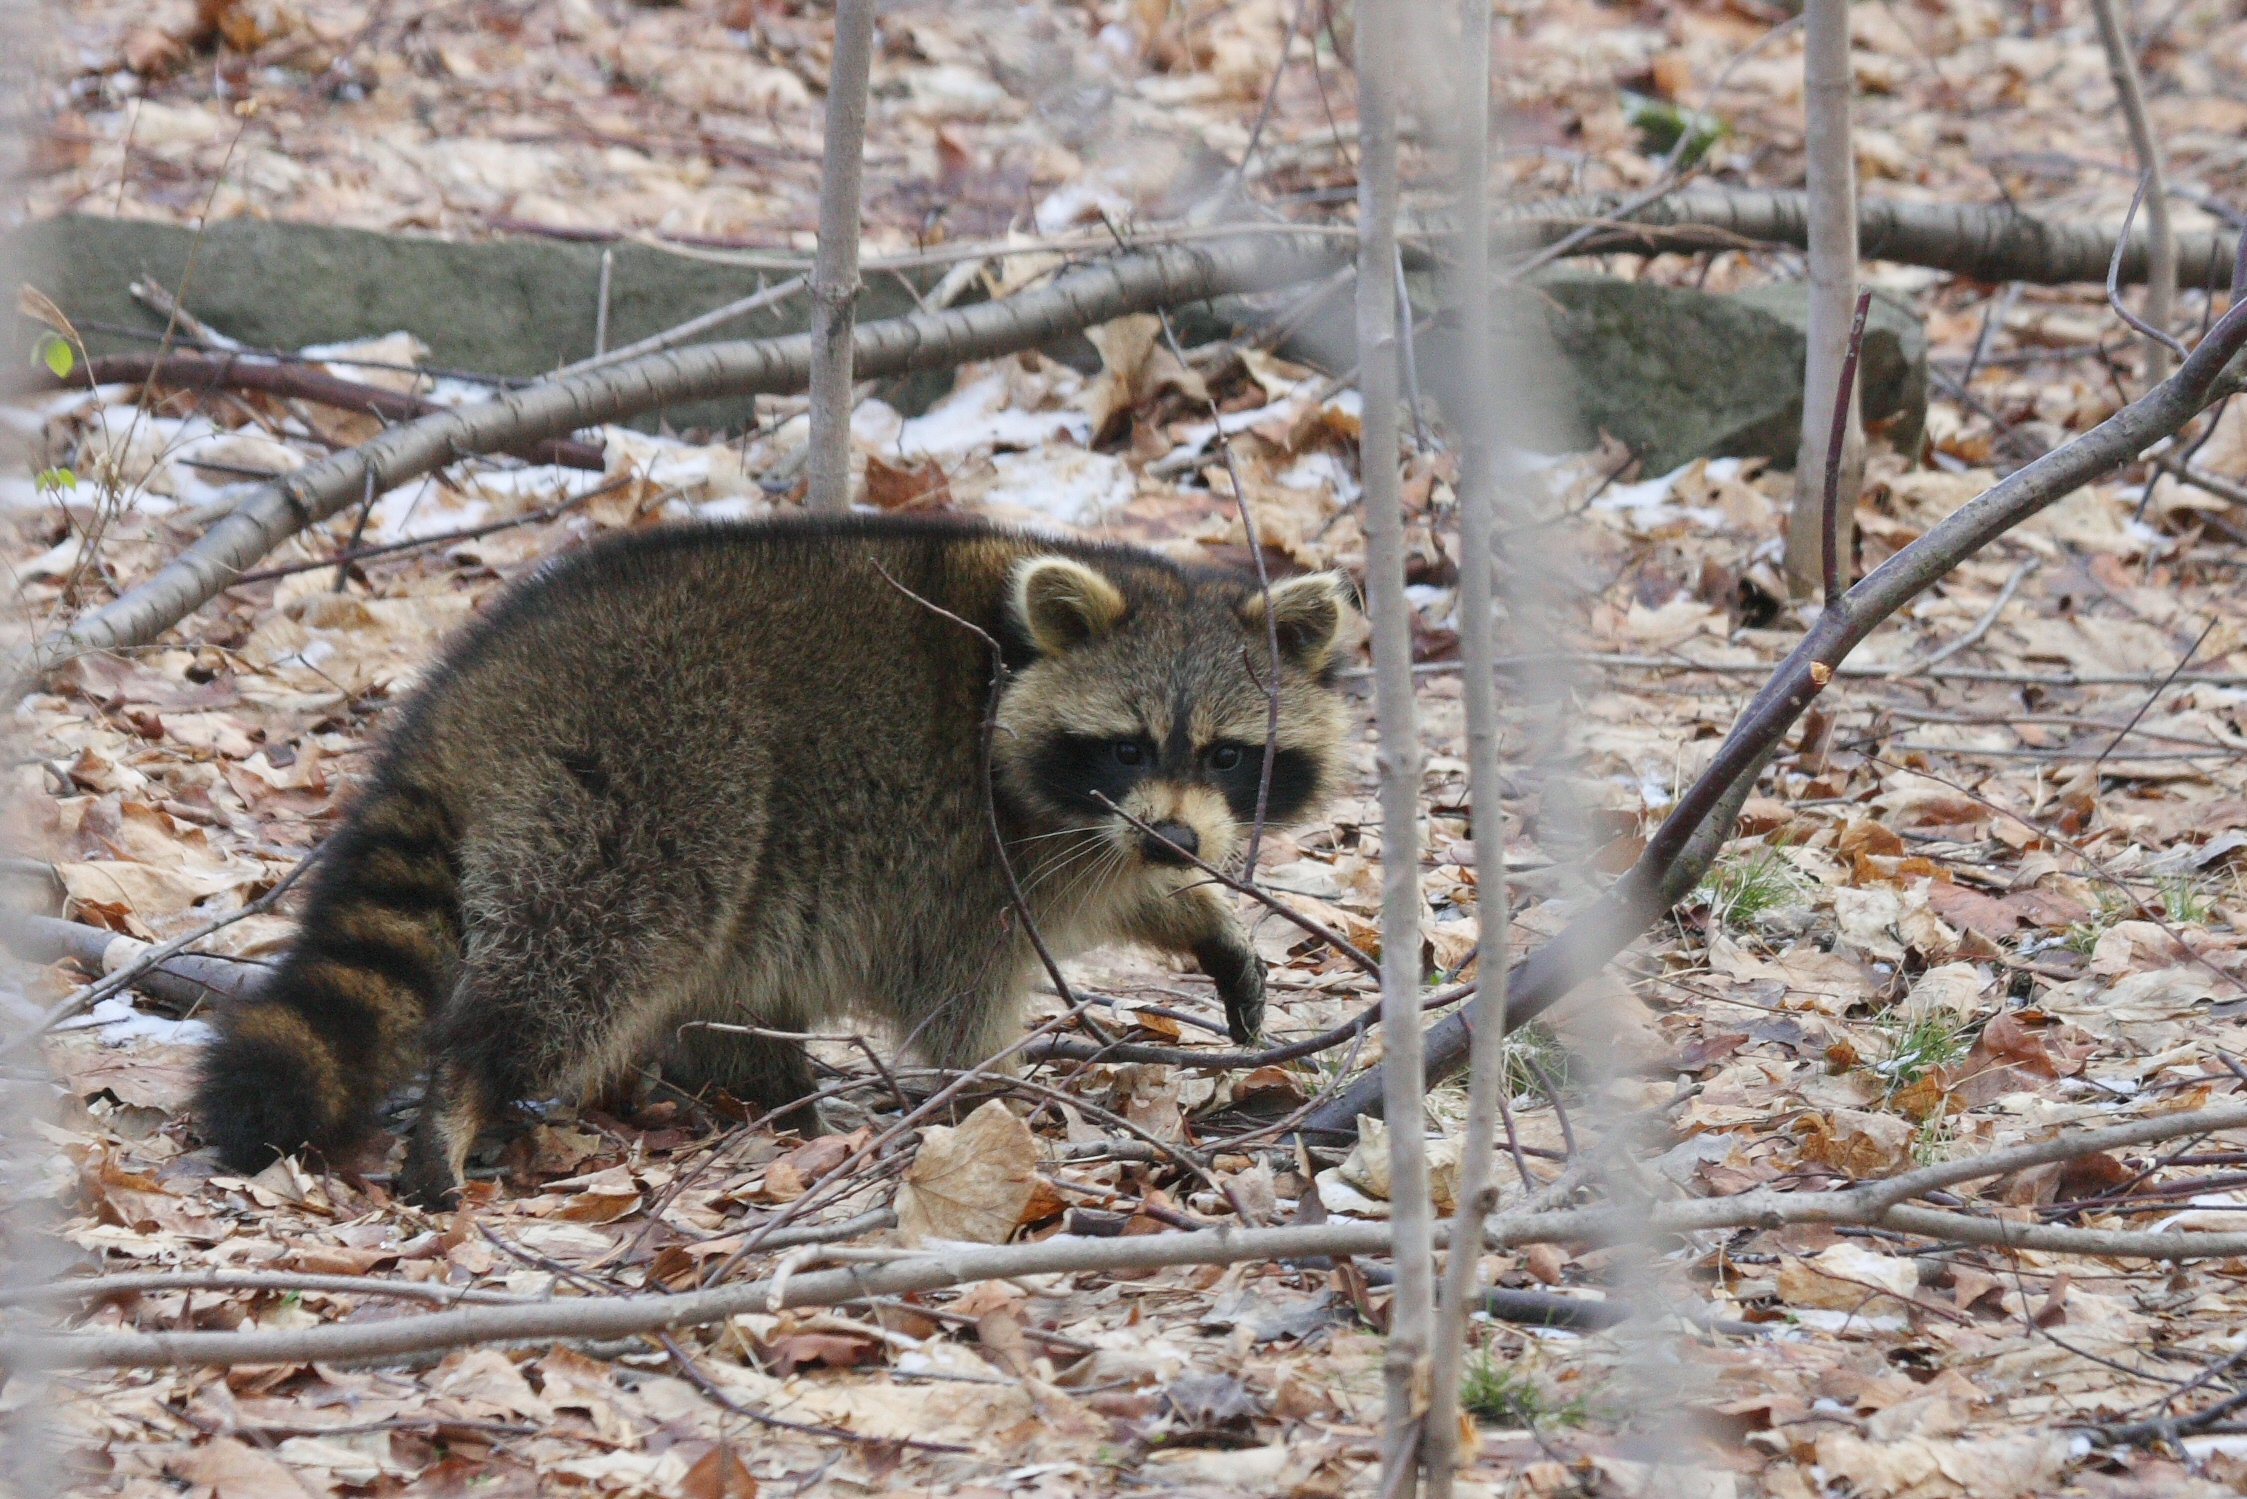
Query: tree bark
column 1831, row 182
column 834, row 276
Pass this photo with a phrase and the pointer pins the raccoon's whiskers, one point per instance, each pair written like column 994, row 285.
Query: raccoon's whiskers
column 1069, row 858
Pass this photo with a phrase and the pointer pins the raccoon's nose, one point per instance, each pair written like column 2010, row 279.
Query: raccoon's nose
column 1157, row 851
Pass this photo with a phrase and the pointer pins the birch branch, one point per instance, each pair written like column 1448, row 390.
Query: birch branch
column 1092, row 294
column 1698, row 826
column 1830, row 170
column 1873, row 1204
column 834, row 275
column 2161, row 240
column 1405, row 1364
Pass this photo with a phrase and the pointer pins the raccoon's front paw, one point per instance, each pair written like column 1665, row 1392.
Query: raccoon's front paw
column 1240, row 983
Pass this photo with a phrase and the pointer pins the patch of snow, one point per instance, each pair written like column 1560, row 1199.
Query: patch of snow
column 1064, row 484
column 120, row 1025
column 976, row 418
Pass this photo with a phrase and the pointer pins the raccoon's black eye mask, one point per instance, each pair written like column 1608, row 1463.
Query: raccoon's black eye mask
column 1078, row 771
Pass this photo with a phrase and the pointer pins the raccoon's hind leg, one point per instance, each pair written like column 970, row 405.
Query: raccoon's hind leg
column 593, row 914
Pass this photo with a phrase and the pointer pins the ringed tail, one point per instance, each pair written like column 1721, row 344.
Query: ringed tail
column 310, row 1057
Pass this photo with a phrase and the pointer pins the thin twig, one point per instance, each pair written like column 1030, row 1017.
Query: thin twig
column 2161, row 247
column 1845, row 386
column 1264, row 587
column 2160, row 342
column 2155, row 696
column 1973, row 636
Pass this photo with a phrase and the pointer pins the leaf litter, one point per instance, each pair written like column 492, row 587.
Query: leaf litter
column 1962, row 913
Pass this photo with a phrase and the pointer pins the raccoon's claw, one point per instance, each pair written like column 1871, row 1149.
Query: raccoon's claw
column 1243, row 993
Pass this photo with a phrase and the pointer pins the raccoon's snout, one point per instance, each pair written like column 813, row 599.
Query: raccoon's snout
column 1156, row 845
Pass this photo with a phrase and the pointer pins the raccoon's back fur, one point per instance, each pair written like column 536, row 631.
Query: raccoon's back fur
column 734, row 773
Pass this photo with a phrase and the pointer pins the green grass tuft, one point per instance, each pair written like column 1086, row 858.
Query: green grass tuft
column 1743, row 887
column 2185, row 900
column 1916, row 1047
column 1934, row 1140
column 1490, row 1391
column 2083, row 936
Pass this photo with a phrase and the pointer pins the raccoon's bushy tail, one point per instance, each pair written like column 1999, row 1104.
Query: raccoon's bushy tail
column 340, row 1023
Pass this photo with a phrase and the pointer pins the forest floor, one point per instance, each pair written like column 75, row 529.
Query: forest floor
column 1976, row 901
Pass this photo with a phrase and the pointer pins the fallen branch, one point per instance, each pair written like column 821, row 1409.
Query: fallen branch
column 108, row 1287
column 1873, row 1204
column 1984, row 241
column 1091, row 294
column 132, row 965
column 183, row 978
column 1689, row 839
column 2216, row 484
column 299, row 382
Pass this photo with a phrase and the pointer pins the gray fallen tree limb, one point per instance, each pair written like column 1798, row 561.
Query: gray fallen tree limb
column 1985, row 241
column 1088, row 295
column 1687, row 842
column 1872, row 1204
column 183, row 978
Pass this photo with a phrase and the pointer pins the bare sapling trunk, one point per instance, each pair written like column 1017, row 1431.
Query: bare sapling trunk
column 2161, row 241
column 1477, row 425
column 834, row 276
column 1831, row 183
column 1410, row 1311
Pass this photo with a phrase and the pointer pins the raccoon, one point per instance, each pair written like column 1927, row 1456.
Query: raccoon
column 736, row 773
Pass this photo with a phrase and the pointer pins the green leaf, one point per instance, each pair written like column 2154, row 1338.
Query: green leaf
column 59, row 356
column 55, row 478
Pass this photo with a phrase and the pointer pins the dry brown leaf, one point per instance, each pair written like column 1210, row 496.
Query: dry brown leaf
column 718, row 1474
column 1847, row 1278
column 236, row 1470
column 1857, row 1143
column 970, row 1183
column 1924, row 1468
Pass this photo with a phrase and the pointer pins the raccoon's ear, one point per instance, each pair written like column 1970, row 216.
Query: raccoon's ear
column 1061, row 603
column 1309, row 611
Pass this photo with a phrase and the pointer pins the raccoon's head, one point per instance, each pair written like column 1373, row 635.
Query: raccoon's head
column 1144, row 688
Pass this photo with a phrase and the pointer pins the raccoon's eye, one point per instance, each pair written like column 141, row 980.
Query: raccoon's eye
column 1128, row 752
column 1225, row 757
